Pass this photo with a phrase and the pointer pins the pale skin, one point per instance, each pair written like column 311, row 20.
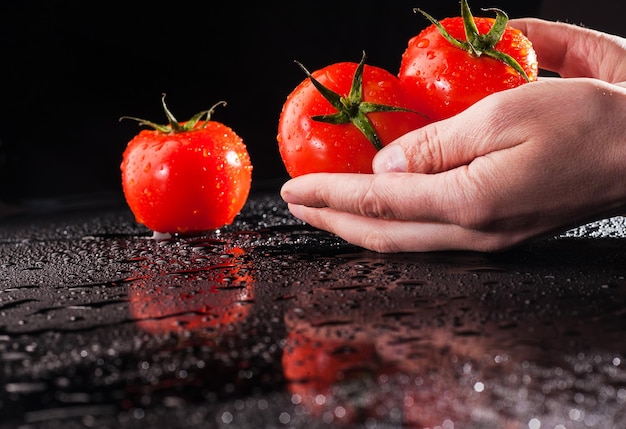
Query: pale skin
column 519, row 164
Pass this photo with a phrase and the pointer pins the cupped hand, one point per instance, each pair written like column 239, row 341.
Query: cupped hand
column 518, row 164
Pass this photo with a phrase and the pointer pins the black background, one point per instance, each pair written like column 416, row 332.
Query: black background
column 71, row 69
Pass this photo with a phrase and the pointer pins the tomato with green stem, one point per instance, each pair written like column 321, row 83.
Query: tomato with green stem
column 186, row 177
column 457, row 61
column 337, row 118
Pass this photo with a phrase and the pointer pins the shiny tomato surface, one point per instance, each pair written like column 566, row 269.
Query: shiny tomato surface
column 307, row 145
column 189, row 181
column 444, row 80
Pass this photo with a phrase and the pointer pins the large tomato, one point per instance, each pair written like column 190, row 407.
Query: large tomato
column 455, row 62
column 337, row 118
column 186, row 177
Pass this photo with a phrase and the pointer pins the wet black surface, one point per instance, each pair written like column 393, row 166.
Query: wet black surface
column 269, row 323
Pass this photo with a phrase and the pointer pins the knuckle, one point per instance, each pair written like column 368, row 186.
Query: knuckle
column 425, row 155
column 380, row 242
column 482, row 212
column 479, row 218
column 496, row 242
column 374, row 202
column 478, row 208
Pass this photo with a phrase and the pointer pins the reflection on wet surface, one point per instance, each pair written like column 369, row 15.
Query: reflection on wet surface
column 269, row 323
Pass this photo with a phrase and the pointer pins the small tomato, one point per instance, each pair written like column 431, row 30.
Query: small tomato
column 186, row 177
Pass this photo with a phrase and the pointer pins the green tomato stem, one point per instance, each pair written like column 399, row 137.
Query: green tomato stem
column 352, row 109
column 477, row 44
column 173, row 126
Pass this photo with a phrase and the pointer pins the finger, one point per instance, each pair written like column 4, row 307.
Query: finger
column 574, row 51
column 388, row 236
column 493, row 123
column 441, row 198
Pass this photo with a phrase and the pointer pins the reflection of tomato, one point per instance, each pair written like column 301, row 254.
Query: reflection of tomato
column 318, row 364
column 314, row 366
column 332, row 369
column 357, row 365
column 208, row 299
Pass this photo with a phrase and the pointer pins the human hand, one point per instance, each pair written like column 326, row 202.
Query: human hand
column 520, row 163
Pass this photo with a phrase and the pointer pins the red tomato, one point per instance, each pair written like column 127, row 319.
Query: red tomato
column 447, row 76
column 186, row 177
column 338, row 118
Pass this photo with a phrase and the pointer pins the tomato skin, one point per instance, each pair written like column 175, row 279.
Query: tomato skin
column 444, row 80
column 309, row 146
column 186, row 182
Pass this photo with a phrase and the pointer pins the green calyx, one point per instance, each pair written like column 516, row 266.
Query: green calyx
column 480, row 44
column 175, row 127
column 352, row 109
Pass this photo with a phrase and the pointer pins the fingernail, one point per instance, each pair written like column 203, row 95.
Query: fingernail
column 390, row 159
column 284, row 191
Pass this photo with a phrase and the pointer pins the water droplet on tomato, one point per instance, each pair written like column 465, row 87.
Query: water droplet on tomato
column 423, row 43
column 233, row 158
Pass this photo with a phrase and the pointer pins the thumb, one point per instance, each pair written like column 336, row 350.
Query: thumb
column 575, row 51
column 425, row 150
column 443, row 145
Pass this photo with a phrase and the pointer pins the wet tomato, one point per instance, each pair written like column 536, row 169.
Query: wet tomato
column 187, row 177
column 455, row 62
column 337, row 118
